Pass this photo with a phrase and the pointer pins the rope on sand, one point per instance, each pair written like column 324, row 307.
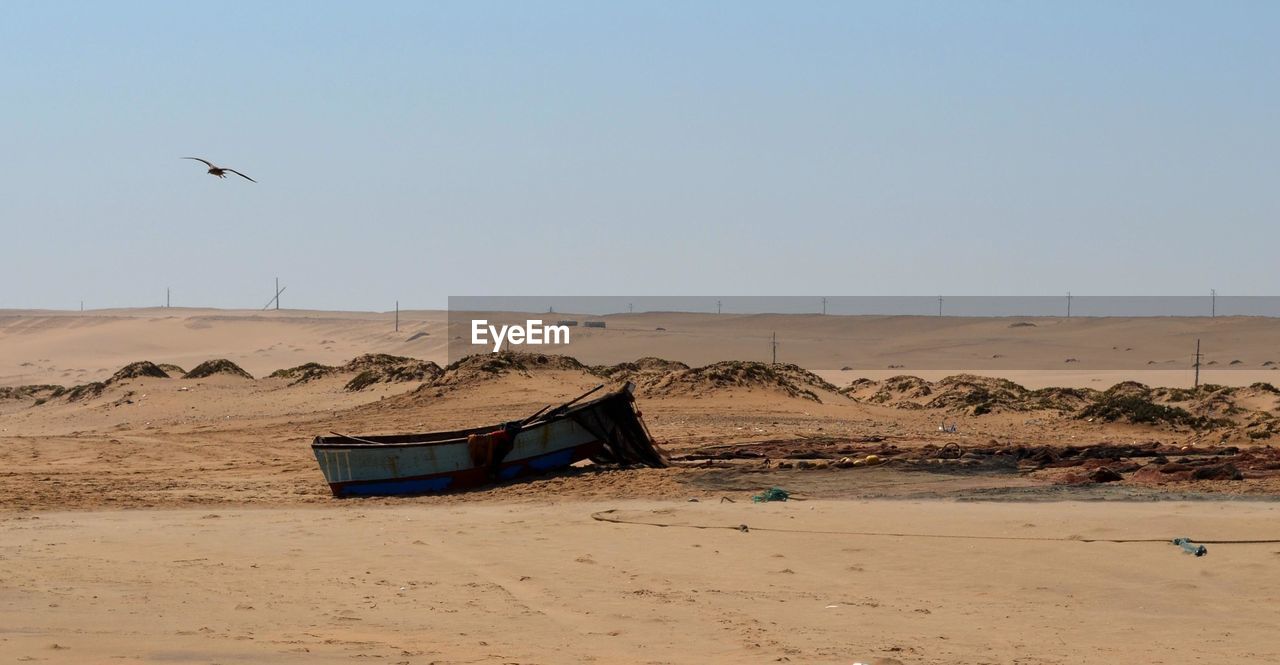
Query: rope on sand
column 611, row 517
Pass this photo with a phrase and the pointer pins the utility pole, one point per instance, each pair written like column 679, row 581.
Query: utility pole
column 1213, row 303
column 166, row 297
column 717, row 307
column 631, row 308
column 397, row 316
column 824, row 305
column 1068, row 304
column 774, row 343
column 939, row 305
column 1197, row 365
column 276, row 298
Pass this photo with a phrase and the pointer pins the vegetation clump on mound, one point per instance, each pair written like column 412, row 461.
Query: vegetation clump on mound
column 382, row 368
column 84, row 391
column 1133, row 402
column 643, row 372
column 791, row 380
column 171, row 369
column 210, row 368
column 370, row 368
column 486, row 366
column 138, row 370
column 304, row 373
column 978, row 394
column 33, row 391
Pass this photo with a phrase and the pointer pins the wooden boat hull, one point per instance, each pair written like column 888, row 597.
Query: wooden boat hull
column 605, row 429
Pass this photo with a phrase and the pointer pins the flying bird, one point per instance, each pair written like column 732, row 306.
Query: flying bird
column 221, row 171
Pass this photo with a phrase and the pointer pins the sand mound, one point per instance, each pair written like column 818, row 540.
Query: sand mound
column 137, row 370
column 976, row 395
column 488, row 366
column 33, row 391
column 84, row 392
column 382, row 368
column 1133, row 402
column 171, row 369
column 790, row 380
column 903, row 391
column 214, row 367
column 644, row 372
column 304, row 373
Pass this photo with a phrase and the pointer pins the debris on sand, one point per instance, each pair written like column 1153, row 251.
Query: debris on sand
column 210, row 368
column 138, row 370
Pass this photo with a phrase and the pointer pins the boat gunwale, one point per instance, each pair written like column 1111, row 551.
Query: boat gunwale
column 448, row 437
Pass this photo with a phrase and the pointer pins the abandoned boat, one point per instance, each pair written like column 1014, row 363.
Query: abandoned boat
column 606, row 429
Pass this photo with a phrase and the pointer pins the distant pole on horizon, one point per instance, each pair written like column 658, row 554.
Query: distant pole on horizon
column 717, row 307
column 277, row 294
column 774, row 343
column 166, row 298
column 1068, row 304
column 1197, row 365
column 397, row 316
column 939, row 305
column 1213, row 303
column 82, row 307
column 824, row 305
column 631, row 308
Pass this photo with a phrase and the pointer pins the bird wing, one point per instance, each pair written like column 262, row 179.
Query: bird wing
column 202, row 160
column 240, row 174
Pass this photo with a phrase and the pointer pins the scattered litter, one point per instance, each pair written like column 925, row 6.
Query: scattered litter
column 1190, row 547
column 773, row 494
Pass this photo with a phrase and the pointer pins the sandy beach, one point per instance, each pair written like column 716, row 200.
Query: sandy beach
column 164, row 518
column 544, row 583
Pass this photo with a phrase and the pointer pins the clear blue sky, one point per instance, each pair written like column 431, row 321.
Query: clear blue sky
column 418, row 150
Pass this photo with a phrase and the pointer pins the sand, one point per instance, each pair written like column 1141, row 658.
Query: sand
column 184, row 520
column 513, row 583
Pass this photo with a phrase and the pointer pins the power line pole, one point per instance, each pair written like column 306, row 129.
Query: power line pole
column 166, row 297
column 939, row 305
column 277, row 294
column 774, row 343
column 631, row 308
column 1068, row 304
column 717, row 307
column 824, row 305
column 1197, row 365
column 1213, row 303
column 397, row 316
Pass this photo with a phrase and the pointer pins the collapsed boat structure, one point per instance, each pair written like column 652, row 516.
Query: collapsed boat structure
column 606, row 429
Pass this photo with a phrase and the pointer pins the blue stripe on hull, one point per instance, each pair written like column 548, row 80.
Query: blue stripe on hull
column 425, row 485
